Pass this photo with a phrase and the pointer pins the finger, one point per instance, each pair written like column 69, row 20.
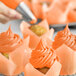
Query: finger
column 9, row 12
column 13, row 14
column 3, row 19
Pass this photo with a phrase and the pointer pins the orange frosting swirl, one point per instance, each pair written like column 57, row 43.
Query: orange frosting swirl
column 65, row 37
column 9, row 41
column 42, row 57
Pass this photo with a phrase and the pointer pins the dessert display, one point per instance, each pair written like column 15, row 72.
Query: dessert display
column 36, row 32
column 65, row 46
column 43, row 62
column 13, row 53
column 36, row 54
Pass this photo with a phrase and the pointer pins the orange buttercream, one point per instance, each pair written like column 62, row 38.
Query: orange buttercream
column 9, row 41
column 42, row 56
column 65, row 37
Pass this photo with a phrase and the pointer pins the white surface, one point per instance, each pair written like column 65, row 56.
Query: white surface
column 15, row 26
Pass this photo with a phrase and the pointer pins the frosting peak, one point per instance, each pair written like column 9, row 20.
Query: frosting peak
column 42, row 56
column 65, row 37
column 9, row 41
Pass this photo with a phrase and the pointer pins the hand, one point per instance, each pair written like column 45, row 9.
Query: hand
column 7, row 14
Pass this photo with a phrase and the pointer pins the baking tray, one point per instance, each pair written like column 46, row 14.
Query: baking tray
column 58, row 27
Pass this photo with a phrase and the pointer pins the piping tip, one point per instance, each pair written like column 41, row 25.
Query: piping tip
column 33, row 21
column 26, row 12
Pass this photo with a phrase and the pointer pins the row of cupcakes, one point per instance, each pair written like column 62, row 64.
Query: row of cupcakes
column 46, row 52
column 36, row 54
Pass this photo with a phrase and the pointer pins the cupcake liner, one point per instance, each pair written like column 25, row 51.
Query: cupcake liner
column 34, row 39
column 5, row 66
column 18, row 58
column 53, row 71
column 67, row 59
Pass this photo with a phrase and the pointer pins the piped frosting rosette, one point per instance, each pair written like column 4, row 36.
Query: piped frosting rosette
column 43, row 56
column 37, row 32
column 12, row 53
column 65, row 46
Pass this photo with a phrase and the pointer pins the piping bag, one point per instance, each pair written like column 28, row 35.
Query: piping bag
column 22, row 8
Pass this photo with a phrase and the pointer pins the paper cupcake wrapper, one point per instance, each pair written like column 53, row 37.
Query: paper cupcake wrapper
column 67, row 59
column 53, row 71
column 34, row 39
column 7, row 67
column 16, row 62
column 21, row 56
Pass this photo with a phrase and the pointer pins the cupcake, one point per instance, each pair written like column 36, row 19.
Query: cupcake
column 36, row 32
column 65, row 46
column 57, row 12
column 43, row 62
column 37, row 7
column 12, row 53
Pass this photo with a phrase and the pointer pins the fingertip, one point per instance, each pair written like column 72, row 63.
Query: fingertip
column 18, row 16
column 33, row 21
column 13, row 14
